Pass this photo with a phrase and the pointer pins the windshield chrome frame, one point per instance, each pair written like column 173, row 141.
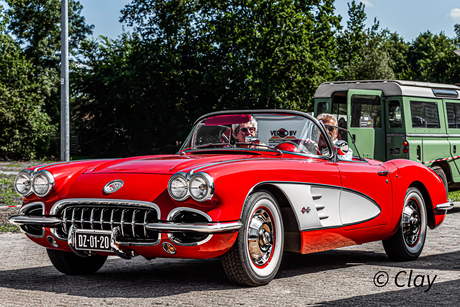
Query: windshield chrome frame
column 261, row 111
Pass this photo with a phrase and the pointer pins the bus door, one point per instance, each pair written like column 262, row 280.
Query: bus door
column 365, row 122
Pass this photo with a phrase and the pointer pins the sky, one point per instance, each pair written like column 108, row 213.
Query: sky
column 408, row 18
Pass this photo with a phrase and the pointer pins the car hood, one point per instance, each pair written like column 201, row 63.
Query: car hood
column 164, row 164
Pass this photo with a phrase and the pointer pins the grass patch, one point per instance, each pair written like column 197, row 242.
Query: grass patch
column 454, row 196
column 9, row 228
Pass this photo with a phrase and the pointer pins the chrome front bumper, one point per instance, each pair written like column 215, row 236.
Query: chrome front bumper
column 205, row 228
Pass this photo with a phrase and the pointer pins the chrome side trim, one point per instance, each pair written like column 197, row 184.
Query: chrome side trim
column 445, row 206
column 190, row 227
column 35, row 220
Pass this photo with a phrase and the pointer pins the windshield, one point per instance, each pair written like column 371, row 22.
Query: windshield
column 269, row 131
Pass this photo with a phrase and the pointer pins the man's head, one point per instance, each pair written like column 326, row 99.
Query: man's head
column 329, row 119
column 241, row 131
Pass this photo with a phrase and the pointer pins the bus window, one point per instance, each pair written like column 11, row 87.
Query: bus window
column 424, row 114
column 453, row 115
column 365, row 111
column 394, row 114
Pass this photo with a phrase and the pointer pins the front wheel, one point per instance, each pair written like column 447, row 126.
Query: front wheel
column 255, row 257
column 71, row 264
column 407, row 243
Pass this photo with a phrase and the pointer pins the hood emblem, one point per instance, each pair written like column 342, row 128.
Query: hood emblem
column 112, row 186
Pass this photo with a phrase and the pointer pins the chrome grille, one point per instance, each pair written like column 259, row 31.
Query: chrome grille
column 131, row 219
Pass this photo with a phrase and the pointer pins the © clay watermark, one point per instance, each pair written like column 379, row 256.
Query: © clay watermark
column 404, row 279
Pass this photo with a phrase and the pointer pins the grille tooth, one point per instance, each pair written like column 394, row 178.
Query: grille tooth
column 64, row 220
column 122, row 222
column 91, row 219
column 133, row 223
column 102, row 218
column 145, row 224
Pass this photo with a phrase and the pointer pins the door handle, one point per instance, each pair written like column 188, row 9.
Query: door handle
column 383, row 173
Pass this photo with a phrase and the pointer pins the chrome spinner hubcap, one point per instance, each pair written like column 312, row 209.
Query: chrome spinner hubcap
column 260, row 237
column 411, row 222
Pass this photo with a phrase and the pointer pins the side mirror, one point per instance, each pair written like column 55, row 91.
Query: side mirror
column 342, row 147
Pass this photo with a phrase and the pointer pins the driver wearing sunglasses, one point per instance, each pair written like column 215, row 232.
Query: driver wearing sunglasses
column 329, row 119
column 241, row 131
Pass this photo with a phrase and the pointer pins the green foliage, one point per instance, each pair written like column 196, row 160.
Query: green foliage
column 25, row 127
column 140, row 94
column 431, row 58
column 7, row 193
column 366, row 54
column 36, row 25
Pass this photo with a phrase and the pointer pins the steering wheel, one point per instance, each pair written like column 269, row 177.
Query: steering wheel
column 289, row 146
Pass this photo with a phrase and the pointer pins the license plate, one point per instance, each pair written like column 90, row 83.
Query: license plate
column 93, row 240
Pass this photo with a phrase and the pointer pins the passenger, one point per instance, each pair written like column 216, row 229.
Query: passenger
column 329, row 120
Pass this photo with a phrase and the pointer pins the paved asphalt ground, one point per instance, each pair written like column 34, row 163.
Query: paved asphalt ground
column 343, row 277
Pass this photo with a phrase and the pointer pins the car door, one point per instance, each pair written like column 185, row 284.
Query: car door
column 366, row 197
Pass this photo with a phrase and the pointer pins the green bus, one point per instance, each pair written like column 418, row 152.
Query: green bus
column 391, row 119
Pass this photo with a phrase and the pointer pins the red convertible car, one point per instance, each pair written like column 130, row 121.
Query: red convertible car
column 246, row 186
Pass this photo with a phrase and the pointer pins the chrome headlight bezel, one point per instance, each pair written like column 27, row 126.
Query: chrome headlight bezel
column 28, row 175
column 188, row 180
column 205, row 180
column 178, row 177
column 49, row 179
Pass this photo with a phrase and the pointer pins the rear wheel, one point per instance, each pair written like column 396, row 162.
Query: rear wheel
column 255, row 257
column 407, row 243
column 71, row 264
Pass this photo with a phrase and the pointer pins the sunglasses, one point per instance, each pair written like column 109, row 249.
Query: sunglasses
column 245, row 130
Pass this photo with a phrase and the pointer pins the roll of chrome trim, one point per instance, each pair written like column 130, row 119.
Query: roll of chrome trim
column 445, row 206
column 191, row 227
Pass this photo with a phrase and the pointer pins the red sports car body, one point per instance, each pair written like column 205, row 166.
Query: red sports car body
column 246, row 185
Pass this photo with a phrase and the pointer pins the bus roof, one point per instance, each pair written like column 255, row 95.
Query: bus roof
column 391, row 88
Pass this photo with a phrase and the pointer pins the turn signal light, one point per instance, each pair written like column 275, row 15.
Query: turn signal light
column 405, row 150
column 405, row 144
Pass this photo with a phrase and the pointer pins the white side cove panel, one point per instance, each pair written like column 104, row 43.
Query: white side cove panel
column 355, row 208
column 315, row 207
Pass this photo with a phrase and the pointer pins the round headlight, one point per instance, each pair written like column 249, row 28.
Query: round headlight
column 201, row 187
column 23, row 183
column 178, row 188
column 42, row 183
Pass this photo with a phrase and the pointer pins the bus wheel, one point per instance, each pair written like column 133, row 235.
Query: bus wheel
column 438, row 170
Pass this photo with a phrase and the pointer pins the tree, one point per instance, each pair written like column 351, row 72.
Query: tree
column 25, row 126
column 364, row 52
column 36, row 26
column 432, row 59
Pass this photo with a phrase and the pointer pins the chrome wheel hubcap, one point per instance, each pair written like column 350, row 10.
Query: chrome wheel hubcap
column 411, row 222
column 260, row 237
